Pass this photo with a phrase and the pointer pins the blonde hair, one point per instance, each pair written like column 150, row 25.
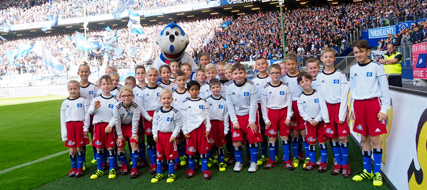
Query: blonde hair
column 165, row 91
column 73, row 82
column 291, row 56
column 186, row 64
column 114, row 74
column 313, row 60
column 273, row 66
column 227, row 66
column 210, row 67
column 112, row 68
column 221, row 64
column 125, row 88
column 84, row 65
column 150, row 69
column 331, row 50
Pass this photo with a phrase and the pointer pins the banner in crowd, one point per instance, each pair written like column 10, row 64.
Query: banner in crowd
column 177, row 8
column 134, row 23
column 229, row 2
column 382, row 32
column 419, row 59
column 121, row 7
column 404, row 25
column 405, row 141
column 152, row 12
column 54, row 22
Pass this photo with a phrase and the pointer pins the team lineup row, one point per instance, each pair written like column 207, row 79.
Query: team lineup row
column 183, row 117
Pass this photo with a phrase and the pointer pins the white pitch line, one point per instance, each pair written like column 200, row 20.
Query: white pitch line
column 33, row 162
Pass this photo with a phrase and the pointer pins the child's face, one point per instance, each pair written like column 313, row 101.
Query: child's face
column 261, row 65
column 228, row 74
column 305, row 83
column 84, row 72
column 291, row 65
column 220, row 69
column 140, row 75
column 187, row 70
column 126, row 97
column 130, row 83
column 115, row 81
column 201, row 77
column 283, row 69
column 328, row 59
column 74, row 90
column 105, row 85
column 181, row 81
column 313, row 68
column 361, row 54
column 152, row 77
column 215, row 89
column 108, row 71
column 174, row 67
column 194, row 91
column 204, row 60
column 239, row 76
column 275, row 75
column 166, row 99
column 165, row 74
column 210, row 75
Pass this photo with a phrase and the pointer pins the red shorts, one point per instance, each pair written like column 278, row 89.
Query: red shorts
column 75, row 137
column 127, row 135
column 277, row 119
column 296, row 120
column 237, row 134
column 198, row 141
column 365, row 117
column 315, row 133
column 102, row 139
column 334, row 129
column 148, row 126
column 164, row 147
column 217, row 133
column 91, row 126
column 261, row 120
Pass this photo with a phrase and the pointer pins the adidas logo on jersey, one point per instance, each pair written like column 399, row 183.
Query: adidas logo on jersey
column 270, row 92
column 323, row 81
column 377, row 130
column 233, row 93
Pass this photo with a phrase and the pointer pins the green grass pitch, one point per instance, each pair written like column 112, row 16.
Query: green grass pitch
column 30, row 131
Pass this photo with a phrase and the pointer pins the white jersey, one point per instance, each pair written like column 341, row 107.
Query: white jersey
column 333, row 89
column 104, row 114
column 171, row 86
column 123, row 116
column 314, row 84
column 178, row 98
column 89, row 92
column 194, row 113
column 292, row 83
column 73, row 110
column 310, row 107
column 149, row 100
column 370, row 81
column 242, row 100
column 205, row 91
column 115, row 92
column 276, row 97
column 218, row 111
column 167, row 121
column 260, row 83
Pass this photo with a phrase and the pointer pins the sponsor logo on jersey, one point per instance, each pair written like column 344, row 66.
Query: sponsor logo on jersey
column 336, row 81
column 110, row 106
column 282, row 93
column 245, row 93
column 369, row 74
column 79, row 105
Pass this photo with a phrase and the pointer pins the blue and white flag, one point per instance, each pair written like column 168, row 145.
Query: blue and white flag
column 134, row 23
column 107, row 28
column 80, row 41
column 3, row 40
column 11, row 55
column 4, row 29
column 53, row 23
column 52, row 63
column 132, row 51
column 122, row 6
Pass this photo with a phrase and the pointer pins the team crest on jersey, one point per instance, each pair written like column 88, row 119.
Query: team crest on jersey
column 110, row 106
column 336, row 81
column 369, row 74
column 271, row 132
column 97, row 142
column 115, row 96
column 221, row 107
column 235, row 134
column 311, row 139
column 316, row 100
column 148, row 130
column 159, row 155
column 191, row 149
column 245, row 93
column 157, row 94
column 130, row 114
column 359, row 127
column 201, row 106
column 70, row 142
column 91, row 92
column 282, row 92
column 210, row 140
column 169, row 119
column 329, row 131
column 79, row 105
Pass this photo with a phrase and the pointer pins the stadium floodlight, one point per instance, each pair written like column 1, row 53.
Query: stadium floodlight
column 281, row 2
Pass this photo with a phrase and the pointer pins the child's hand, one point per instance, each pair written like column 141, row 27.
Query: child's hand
column 288, row 122
column 97, row 104
column 341, row 122
column 225, row 134
column 172, row 139
column 151, row 120
column 187, row 135
column 156, row 139
column 108, row 129
column 236, row 125
column 381, row 116
column 135, row 138
column 352, row 115
column 85, row 133
column 119, row 141
column 206, row 133
column 313, row 122
column 253, row 127
column 268, row 124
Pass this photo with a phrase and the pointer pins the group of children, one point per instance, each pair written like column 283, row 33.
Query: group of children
column 185, row 120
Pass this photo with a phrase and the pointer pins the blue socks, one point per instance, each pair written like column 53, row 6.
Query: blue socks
column 238, row 153
column 73, row 160
column 254, row 152
column 312, row 153
column 159, row 167
column 286, row 150
column 171, row 165
column 112, row 159
column 378, row 154
column 100, row 159
column 80, row 159
column 204, row 163
column 122, row 158
column 306, row 145
column 272, row 148
column 367, row 161
column 295, row 147
column 135, row 158
column 141, row 147
column 344, row 152
column 152, row 154
column 337, row 152
column 323, row 153
column 191, row 162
